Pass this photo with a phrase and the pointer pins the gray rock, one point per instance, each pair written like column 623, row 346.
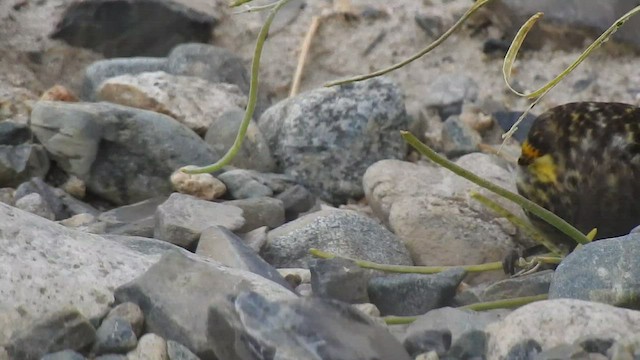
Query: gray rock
column 73, row 206
column 342, row 232
column 63, row 267
column 12, row 133
column 177, row 351
column 123, row 154
column 255, row 239
column 301, row 329
column 242, row 184
column 224, row 246
column 563, row 321
column 254, row 153
column 296, row 200
column 419, row 342
column 455, row 321
column 181, row 219
column 135, row 220
column 111, row 357
column 448, row 92
column 19, row 163
column 259, row 211
column 61, row 330
column 212, row 63
column 7, row 196
column 470, row 345
column 605, row 271
column 115, row 335
column 530, row 285
column 317, row 128
column 63, row 355
column 339, row 279
column 48, row 195
column 150, row 346
column 458, row 138
column 35, row 204
column 131, row 313
column 122, row 29
column 192, row 101
column 414, row 294
column 181, row 315
column 101, row 70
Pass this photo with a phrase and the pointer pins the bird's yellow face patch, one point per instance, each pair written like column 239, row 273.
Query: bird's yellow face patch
column 544, row 169
column 529, row 153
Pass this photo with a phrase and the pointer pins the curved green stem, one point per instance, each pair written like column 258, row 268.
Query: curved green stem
column 253, row 98
column 477, row 5
column 526, row 204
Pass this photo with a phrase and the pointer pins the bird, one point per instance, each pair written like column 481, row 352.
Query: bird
column 581, row 161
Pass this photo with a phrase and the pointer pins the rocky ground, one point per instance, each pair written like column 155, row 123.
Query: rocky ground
column 108, row 253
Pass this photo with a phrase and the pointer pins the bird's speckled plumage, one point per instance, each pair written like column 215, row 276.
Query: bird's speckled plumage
column 581, row 161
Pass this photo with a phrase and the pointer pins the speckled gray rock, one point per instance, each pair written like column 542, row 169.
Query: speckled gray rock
column 259, row 211
column 301, row 329
column 296, row 199
column 419, row 342
column 339, row 279
column 60, row 330
column 35, row 204
column 135, row 220
column 123, row 154
column 104, row 27
column 343, row 232
column 471, row 345
column 115, row 335
column 458, row 138
column 130, row 312
column 181, row 219
column 310, row 134
column 21, row 162
column 242, row 184
column 48, row 194
column 177, row 351
column 530, row 285
column 220, row 244
column 448, row 92
column 254, row 153
column 182, row 315
column 64, row 355
column 606, row 271
column 414, row 294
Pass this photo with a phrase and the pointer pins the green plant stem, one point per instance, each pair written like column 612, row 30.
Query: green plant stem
column 253, row 97
column 481, row 306
column 408, row 269
column 526, row 204
column 477, row 5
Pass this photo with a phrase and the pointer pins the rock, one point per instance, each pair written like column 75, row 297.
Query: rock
column 12, row 133
column 64, row 267
column 455, row 321
column 135, row 220
column 181, row 316
column 115, row 335
column 131, row 313
column 368, row 309
column 7, row 196
column 106, row 145
column 150, row 347
column 19, row 163
column 203, row 186
column 296, row 200
column 101, row 70
column 530, row 285
column 192, row 101
column 427, row 341
column 75, row 187
column 35, row 204
column 212, row 63
column 554, row 322
column 342, row 232
column 177, row 351
column 301, row 329
column 181, row 219
column 255, row 239
column 414, row 294
column 432, row 211
column 84, row 222
column 458, row 138
column 259, row 211
column 111, row 357
column 339, row 279
column 60, row 330
column 319, row 127
column 123, row 29
column 73, row 206
column 222, row 245
column 604, row 271
column 243, row 185
column 63, row 355
column 448, row 92
column 506, row 119
column 254, row 153
column 526, row 349
column 59, row 93
column 470, row 345
column 48, row 196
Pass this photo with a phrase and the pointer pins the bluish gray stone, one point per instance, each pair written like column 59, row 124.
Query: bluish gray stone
column 448, row 92
column 414, row 294
column 63, row 355
column 425, row 341
column 177, row 351
column 19, row 163
column 115, row 335
column 242, row 184
column 134, row 220
column 458, row 138
column 310, row 135
column 259, row 211
column 605, row 271
column 339, row 279
column 470, row 345
column 47, row 193
column 296, row 199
